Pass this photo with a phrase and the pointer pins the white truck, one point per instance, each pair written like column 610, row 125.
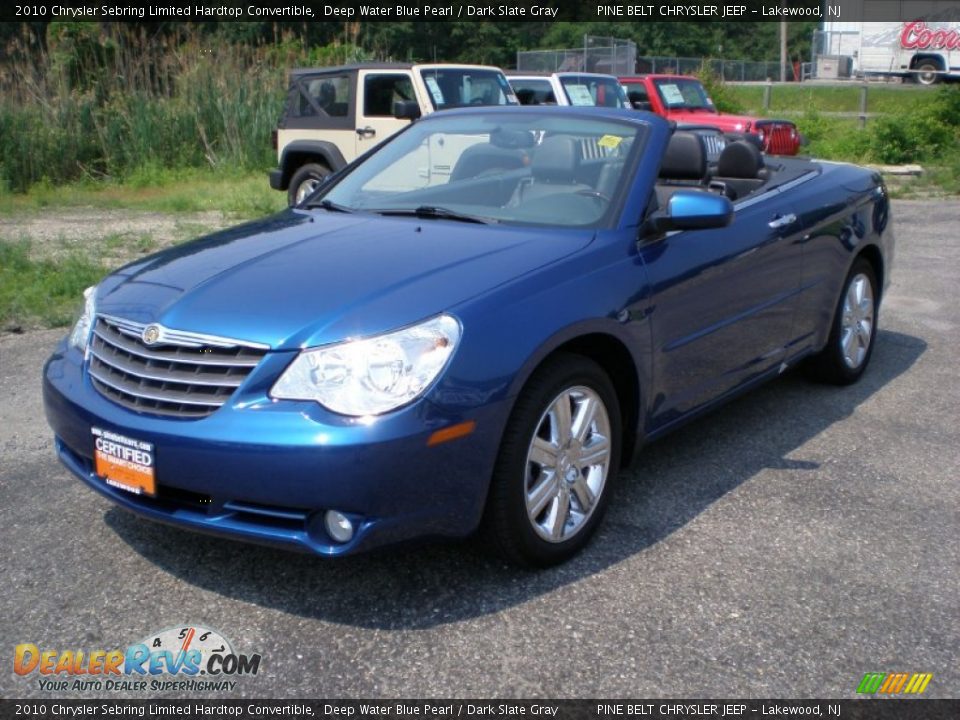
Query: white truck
column 567, row 88
column 923, row 50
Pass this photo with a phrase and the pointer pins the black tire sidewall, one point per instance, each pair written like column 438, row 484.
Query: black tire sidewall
column 304, row 173
column 506, row 524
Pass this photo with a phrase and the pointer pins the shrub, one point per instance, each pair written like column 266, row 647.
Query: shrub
column 723, row 98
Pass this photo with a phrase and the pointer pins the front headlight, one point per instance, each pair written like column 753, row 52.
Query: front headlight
column 80, row 334
column 373, row 375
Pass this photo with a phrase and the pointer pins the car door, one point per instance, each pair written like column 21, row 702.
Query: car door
column 378, row 91
column 321, row 107
column 722, row 304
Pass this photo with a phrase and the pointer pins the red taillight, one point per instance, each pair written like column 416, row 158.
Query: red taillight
column 273, row 139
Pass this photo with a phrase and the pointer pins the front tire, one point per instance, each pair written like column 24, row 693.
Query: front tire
column 854, row 329
column 559, row 455
column 304, row 181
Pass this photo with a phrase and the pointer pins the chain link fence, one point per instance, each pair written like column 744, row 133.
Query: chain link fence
column 730, row 70
column 598, row 54
column 619, row 57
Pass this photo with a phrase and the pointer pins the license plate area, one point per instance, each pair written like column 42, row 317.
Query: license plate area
column 124, row 462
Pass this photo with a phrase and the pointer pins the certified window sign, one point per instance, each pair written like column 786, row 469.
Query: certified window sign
column 124, row 462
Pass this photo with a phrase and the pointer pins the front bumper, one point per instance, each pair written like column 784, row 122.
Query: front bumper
column 266, row 471
column 276, row 179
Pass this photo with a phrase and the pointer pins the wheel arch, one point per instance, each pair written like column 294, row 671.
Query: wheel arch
column 301, row 152
column 613, row 355
column 872, row 254
column 933, row 57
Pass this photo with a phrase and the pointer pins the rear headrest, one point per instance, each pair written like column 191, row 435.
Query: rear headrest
column 556, row 159
column 685, row 157
column 740, row 159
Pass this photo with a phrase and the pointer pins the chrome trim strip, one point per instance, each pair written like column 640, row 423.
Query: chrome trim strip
column 179, row 377
column 184, row 338
column 155, row 398
column 144, row 352
column 775, row 191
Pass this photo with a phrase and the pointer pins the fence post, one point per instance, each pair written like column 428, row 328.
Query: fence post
column 863, row 106
column 766, row 95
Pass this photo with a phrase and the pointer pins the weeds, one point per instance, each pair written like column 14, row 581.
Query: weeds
column 35, row 293
column 108, row 102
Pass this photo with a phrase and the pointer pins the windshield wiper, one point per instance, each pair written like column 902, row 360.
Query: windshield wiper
column 331, row 206
column 429, row 211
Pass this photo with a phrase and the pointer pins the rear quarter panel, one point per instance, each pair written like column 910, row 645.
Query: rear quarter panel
column 843, row 212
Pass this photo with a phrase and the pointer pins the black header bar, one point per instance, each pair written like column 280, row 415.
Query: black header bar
column 478, row 10
column 867, row 709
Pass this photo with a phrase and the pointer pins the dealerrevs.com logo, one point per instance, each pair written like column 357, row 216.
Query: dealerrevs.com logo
column 188, row 658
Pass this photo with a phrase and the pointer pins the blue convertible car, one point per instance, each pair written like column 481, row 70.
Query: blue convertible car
column 471, row 328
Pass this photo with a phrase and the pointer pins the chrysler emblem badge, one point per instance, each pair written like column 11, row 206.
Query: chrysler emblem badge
column 151, row 333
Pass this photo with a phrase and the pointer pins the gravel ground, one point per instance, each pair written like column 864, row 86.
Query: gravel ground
column 781, row 547
column 114, row 236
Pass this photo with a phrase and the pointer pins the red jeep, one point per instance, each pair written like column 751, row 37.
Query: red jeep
column 684, row 100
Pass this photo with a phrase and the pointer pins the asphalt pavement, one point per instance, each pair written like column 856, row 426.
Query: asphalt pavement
column 782, row 546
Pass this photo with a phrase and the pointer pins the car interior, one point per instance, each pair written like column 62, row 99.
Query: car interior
column 571, row 180
column 740, row 170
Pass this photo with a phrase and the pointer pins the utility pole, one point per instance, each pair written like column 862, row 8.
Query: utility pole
column 783, row 51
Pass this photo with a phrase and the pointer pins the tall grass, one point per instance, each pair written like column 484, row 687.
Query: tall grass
column 108, row 100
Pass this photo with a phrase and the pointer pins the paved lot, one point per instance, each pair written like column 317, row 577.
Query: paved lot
column 783, row 547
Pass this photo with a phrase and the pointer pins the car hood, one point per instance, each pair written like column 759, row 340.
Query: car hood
column 299, row 279
column 723, row 121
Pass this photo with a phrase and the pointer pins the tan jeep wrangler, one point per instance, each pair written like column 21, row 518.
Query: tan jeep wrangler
column 336, row 114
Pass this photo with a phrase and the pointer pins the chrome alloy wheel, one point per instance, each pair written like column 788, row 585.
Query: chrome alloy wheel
column 567, row 464
column 856, row 329
column 306, row 188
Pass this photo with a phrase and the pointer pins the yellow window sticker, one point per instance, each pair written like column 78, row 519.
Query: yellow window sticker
column 609, row 141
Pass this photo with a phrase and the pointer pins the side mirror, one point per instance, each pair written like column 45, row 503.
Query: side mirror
column 406, row 110
column 641, row 105
column 691, row 210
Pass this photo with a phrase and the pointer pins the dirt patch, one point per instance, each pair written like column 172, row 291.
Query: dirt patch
column 113, row 236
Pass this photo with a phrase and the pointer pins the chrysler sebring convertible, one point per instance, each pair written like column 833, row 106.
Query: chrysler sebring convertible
column 470, row 329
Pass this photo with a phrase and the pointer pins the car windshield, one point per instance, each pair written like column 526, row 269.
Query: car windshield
column 518, row 167
column 591, row 90
column 684, row 94
column 457, row 87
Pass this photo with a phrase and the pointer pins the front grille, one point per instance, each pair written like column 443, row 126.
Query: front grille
column 779, row 138
column 186, row 375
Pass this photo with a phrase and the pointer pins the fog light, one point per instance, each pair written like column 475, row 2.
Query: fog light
column 338, row 526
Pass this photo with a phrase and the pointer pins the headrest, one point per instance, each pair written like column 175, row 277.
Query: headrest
column 740, row 159
column 512, row 139
column 685, row 157
column 556, row 159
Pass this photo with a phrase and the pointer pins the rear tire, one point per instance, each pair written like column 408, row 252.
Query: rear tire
column 853, row 332
column 559, row 456
column 926, row 73
column 304, row 181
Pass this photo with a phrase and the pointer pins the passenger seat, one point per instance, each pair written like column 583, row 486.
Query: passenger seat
column 740, row 170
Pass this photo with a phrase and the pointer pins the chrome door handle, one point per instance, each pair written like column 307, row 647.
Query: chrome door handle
column 782, row 221
column 366, row 132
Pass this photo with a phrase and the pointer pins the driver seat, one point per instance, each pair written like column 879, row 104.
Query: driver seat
column 554, row 170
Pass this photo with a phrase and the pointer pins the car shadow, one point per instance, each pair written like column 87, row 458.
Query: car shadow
column 430, row 584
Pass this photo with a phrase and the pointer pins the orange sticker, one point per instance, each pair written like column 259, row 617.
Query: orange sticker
column 124, row 463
